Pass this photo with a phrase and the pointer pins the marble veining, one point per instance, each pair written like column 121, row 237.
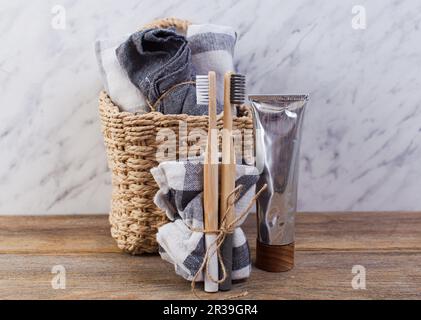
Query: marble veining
column 362, row 136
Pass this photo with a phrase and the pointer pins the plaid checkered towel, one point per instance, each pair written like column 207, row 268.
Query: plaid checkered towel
column 181, row 197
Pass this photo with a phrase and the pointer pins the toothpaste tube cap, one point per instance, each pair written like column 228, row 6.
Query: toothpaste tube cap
column 273, row 258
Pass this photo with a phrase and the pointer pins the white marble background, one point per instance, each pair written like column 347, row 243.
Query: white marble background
column 362, row 141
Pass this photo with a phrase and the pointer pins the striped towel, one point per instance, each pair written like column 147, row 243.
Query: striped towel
column 212, row 48
column 116, row 82
column 180, row 195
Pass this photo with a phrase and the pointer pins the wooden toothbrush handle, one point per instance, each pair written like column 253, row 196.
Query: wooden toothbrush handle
column 211, row 162
column 210, row 195
column 210, row 189
column 228, row 154
column 228, row 172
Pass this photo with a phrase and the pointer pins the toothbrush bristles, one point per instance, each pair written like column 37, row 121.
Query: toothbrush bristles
column 202, row 90
column 238, row 89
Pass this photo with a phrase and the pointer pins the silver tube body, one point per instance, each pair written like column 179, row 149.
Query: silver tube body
column 278, row 129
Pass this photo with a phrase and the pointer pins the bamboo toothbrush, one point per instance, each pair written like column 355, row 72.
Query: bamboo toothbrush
column 206, row 94
column 234, row 94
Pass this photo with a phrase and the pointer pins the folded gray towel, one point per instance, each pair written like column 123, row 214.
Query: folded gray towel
column 156, row 60
column 180, row 195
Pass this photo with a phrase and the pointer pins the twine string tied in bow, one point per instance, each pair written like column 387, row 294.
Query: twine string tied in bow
column 224, row 229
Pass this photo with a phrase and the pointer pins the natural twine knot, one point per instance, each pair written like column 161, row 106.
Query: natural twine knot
column 224, row 229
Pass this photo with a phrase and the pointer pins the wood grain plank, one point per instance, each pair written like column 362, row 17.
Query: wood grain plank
column 388, row 245
column 318, row 275
column 315, row 231
column 359, row 231
column 56, row 235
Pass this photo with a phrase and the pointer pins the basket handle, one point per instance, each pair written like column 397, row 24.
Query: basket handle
column 180, row 24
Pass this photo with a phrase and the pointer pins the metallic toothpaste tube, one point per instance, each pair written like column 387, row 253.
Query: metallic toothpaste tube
column 278, row 127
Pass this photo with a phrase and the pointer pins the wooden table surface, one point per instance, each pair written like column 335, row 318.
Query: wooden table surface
column 387, row 245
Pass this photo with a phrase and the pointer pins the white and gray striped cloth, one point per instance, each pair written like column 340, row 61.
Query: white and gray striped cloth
column 180, row 195
column 206, row 47
column 212, row 49
column 115, row 79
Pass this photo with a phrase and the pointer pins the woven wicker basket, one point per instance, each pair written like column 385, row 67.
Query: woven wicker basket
column 131, row 146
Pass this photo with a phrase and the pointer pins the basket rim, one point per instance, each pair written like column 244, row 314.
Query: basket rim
column 111, row 105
